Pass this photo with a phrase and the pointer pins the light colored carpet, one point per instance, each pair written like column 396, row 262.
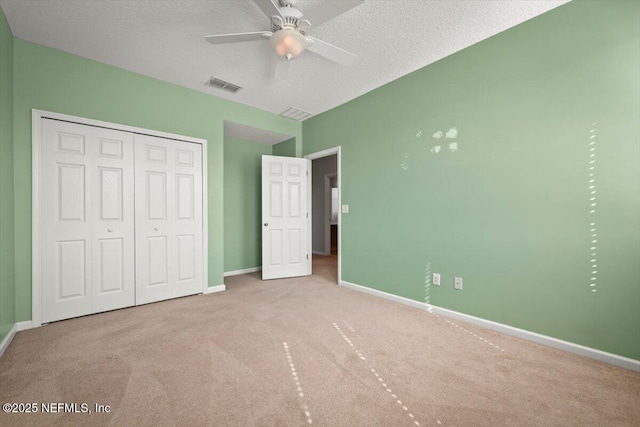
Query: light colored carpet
column 349, row 360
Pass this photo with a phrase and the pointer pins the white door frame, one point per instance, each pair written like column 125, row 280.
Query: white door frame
column 318, row 155
column 36, row 143
column 327, row 211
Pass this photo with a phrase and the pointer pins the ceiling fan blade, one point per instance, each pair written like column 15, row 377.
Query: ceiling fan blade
column 280, row 68
column 329, row 10
column 269, row 8
column 332, row 52
column 238, row 37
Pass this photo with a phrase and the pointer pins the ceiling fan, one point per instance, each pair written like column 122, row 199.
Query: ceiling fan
column 289, row 32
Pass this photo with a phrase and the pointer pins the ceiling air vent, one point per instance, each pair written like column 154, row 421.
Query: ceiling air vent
column 295, row 114
column 221, row 84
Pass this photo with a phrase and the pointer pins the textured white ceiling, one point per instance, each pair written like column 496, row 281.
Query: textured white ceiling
column 165, row 40
column 237, row 130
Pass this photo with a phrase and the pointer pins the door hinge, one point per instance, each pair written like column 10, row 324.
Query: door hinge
column 307, row 173
column 307, row 256
column 307, row 214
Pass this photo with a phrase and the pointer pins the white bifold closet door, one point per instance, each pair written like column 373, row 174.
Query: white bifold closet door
column 87, row 224
column 169, row 239
column 121, row 217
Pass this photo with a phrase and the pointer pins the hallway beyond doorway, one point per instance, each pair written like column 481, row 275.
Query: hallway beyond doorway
column 326, row 266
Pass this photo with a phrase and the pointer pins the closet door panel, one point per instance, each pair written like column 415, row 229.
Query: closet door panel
column 187, row 208
column 87, row 220
column 113, row 221
column 153, row 195
column 66, row 228
column 121, row 219
column 168, row 219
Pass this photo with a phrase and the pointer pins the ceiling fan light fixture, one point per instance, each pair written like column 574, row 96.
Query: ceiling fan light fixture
column 288, row 43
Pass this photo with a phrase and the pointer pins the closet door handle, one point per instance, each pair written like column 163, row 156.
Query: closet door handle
column 110, row 230
column 156, row 228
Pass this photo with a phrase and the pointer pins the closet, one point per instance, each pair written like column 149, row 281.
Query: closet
column 120, row 219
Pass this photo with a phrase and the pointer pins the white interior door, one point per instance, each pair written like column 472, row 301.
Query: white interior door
column 285, row 217
column 169, row 232
column 87, row 220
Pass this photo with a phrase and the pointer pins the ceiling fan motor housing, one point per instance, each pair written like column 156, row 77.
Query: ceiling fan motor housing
column 290, row 19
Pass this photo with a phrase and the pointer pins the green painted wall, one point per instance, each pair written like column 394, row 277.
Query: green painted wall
column 52, row 80
column 285, row 148
column 242, row 203
column 509, row 211
column 7, row 284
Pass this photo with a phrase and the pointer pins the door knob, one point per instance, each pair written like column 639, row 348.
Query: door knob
column 156, row 228
column 110, row 230
column 266, row 224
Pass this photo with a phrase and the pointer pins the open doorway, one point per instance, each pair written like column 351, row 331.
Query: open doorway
column 325, row 213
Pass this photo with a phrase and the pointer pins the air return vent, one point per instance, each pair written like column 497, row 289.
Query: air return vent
column 221, row 84
column 295, row 114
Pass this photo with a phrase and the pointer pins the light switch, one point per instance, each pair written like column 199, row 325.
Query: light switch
column 436, row 279
column 457, row 283
column 345, row 208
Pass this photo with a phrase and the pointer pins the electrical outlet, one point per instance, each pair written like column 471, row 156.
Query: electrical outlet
column 436, row 279
column 345, row 208
column 457, row 283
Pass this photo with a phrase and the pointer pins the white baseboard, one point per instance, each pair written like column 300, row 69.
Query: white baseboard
column 243, row 271
column 214, row 289
column 592, row 353
column 23, row 326
column 7, row 340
